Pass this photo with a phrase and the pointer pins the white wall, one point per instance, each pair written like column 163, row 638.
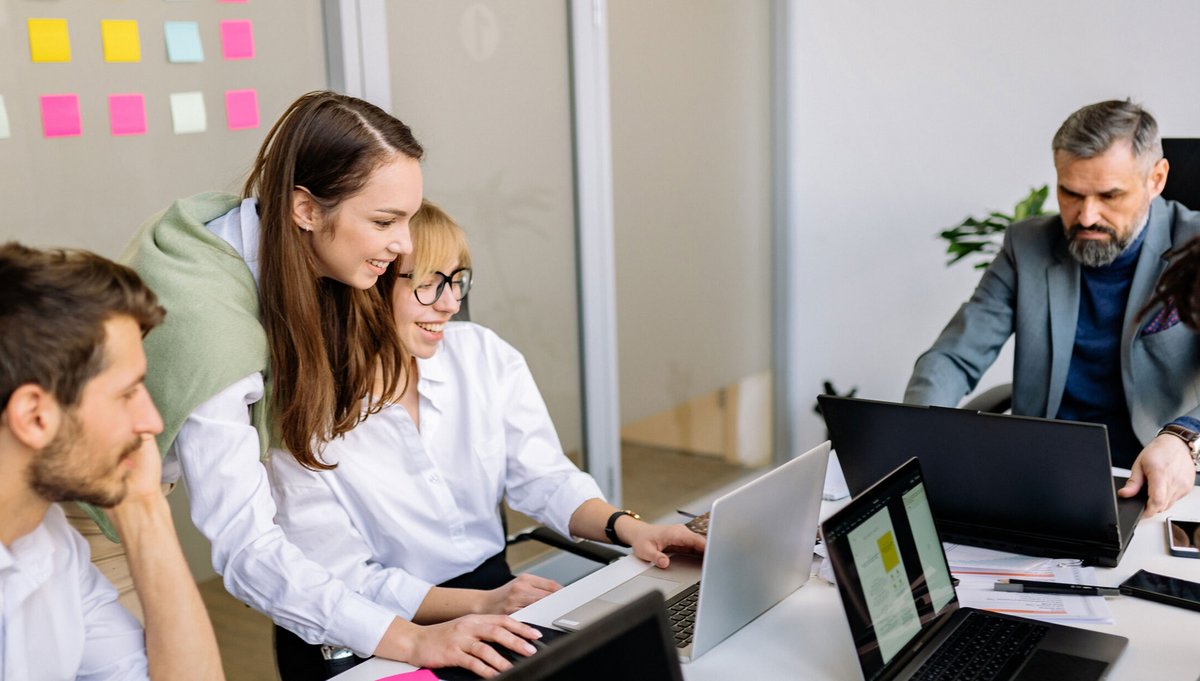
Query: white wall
column 910, row 116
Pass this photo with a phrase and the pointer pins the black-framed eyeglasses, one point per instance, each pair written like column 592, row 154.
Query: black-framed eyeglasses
column 428, row 292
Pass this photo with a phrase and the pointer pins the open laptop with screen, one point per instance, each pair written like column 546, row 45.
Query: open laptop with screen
column 904, row 615
column 1015, row 483
column 632, row 642
column 759, row 550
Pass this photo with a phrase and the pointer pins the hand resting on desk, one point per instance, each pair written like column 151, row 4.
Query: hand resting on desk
column 1165, row 467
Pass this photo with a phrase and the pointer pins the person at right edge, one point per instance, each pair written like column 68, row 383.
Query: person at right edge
column 1071, row 287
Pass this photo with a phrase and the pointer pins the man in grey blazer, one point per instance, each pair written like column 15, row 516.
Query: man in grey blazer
column 1071, row 288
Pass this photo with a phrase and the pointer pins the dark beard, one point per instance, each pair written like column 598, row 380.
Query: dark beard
column 1093, row 253
column 57, row 474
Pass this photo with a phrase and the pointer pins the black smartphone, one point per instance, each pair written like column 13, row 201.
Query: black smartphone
column 1183, row 537
column 1169, row 590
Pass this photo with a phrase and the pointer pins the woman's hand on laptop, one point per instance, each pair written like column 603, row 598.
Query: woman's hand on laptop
column 652, row 543
column 1165, row 467
column 523, row 590
column 458, row 643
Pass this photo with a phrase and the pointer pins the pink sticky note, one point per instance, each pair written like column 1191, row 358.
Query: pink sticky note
column 241, row 109
column 237, row 39
column 127, row 114
column 419, row 675
column 60, row 116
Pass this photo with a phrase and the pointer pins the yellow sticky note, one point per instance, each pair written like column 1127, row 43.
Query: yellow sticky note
column 121, row 41
column 887, row 551
column 49, row 40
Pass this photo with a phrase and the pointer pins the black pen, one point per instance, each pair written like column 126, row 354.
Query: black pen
column 1030, row 586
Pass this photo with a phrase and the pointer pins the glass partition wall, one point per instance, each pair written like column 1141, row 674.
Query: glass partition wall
column 691, row 130
column 487, row 87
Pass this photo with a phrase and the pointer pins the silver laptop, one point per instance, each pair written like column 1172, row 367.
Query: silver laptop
column 760, row 549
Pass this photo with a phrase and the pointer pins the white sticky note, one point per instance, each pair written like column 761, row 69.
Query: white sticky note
column 5, row 131
column 187, row 112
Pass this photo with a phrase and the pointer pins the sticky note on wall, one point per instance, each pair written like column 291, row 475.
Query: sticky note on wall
column 183, row 42
column 121, row 41
column 237, row 39
column 187, row 112
column 5, row 130
column 60, row 116
column 127, row 114
column 49, row 40
column 241, row 109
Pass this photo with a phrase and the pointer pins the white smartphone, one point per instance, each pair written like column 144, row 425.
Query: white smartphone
column 1183, row 537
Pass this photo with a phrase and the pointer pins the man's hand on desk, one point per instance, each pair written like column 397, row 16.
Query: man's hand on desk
column 458, row 643
column 652, row 543
column 1165, row 467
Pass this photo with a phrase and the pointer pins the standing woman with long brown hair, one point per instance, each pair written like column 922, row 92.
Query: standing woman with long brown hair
column 276, row 335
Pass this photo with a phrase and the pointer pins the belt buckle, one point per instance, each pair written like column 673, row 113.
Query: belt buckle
column 336, row 652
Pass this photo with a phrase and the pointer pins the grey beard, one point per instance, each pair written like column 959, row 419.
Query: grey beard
column 1092, row 253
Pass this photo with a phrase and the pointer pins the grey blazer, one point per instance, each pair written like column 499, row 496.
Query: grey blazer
column 1032, row 289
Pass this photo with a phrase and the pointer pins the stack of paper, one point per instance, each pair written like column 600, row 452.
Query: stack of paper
column 978, row 570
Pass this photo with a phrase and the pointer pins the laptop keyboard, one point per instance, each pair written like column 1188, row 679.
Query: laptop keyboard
column 983, row 647
column 682, row 613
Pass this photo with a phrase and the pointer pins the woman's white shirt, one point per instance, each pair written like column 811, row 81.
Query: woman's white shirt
column 407, row 509
column 217, row 454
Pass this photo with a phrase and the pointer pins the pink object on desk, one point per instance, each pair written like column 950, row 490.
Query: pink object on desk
column 419, row 675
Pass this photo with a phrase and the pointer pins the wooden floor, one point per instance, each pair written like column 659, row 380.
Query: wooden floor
column 243, row 634
column 656, row 482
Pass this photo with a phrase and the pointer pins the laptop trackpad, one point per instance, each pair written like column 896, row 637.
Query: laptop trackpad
column 1047, row 665
column 639, row 586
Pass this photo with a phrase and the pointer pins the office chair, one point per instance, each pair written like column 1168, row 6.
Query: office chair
column 1183, row 185
column 589, row 550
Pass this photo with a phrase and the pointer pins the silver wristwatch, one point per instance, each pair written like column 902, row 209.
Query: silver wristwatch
column 1190, row 438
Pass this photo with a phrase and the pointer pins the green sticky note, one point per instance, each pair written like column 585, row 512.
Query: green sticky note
column 121, row 42
column 49, row 40
column 187, row 112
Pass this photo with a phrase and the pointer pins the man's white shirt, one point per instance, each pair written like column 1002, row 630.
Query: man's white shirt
column 59, row 617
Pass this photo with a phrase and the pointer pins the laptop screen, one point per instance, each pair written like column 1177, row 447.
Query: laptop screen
column 890, row 566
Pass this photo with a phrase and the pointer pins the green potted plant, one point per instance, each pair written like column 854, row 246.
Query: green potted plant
column 981, row 239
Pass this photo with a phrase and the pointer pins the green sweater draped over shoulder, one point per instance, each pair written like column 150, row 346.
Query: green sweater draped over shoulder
column 212, row 336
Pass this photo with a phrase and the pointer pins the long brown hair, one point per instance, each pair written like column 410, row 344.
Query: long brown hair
column 329, row 342
column 1179, row 285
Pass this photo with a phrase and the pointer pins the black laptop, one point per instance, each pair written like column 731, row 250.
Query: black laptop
column 634, row 642
column 1014, row 483
column 904, row 615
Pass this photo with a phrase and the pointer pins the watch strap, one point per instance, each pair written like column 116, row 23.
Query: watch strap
column 1190, row 438
column 610, row 528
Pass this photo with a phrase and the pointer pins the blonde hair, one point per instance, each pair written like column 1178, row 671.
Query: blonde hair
column 436, row 239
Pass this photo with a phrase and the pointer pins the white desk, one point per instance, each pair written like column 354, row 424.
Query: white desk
column 806, row 637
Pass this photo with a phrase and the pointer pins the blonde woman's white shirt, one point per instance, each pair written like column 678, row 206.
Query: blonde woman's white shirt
column 59, row 617
column 408, row 509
